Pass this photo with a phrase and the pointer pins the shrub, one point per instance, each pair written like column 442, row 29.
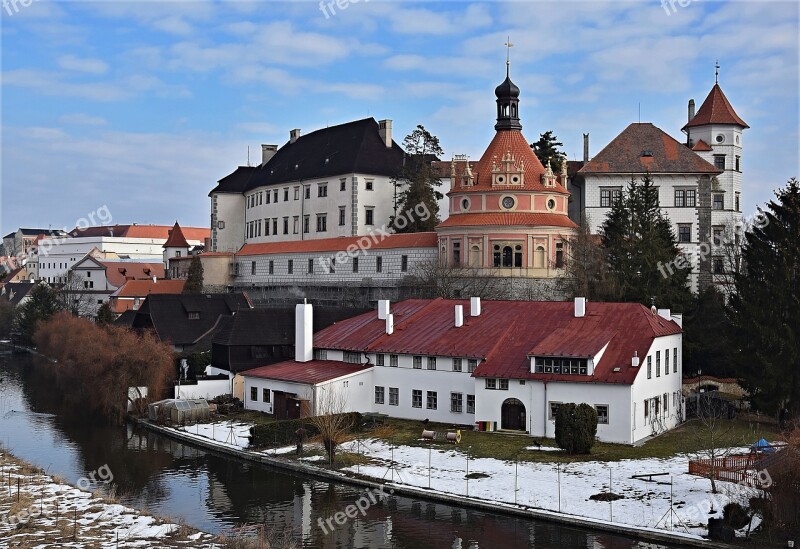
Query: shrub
column 283, row 432
column 576, row 427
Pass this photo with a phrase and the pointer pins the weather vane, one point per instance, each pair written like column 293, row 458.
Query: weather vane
column 716, row 72
column 508, row 46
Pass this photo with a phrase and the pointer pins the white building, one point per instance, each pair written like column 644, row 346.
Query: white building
column 56, row 256
column 497, row 365
column 333, row 182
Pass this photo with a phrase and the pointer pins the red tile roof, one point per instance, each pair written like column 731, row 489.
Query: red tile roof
column 143, row 288
column 312, row 372
column 507, row 219
column 507, row 333
column 702, row 146
column 176, row 238
column 716, row 109
column 625, row 154
column 376, row 242
column 198, row 234
column 118, row 272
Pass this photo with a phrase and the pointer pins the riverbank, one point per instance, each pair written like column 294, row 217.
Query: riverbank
column 357, row 475
column 38, row 510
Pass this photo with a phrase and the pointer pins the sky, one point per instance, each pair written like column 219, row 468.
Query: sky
column 140, row 107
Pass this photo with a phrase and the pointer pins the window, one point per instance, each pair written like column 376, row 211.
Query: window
column 286, row 194
column 322, row 223
column 370, row 216
column 306, row 224
column 379, row 359
column 394, row 396
column 646, row 407
column 307, row 191
column 220, row 224
column 691, row 198
column 290, row 266
column 322, row 191
column 296, row 224
column 658, row 363
column 472, row 363
column 310, row 266
column 194, row 316
column 456, row 364
column 297, row 193
column 559, row 255
column 275, row 196
column 684, row 232
column 470, row 404
column 88, row 274
column 456, row 402
column 332, row 266
column 275, row 225
column 341, row 215
column 602, row 413
column 718, row 266
column 320, row 354
column 404, row 263
column 351, row 357
column 557, row 365
column 554, row 410
column 271, row 266
column 417, row 361
column 431, row 400
column 393, row 361
column 285, row 225
column 491, row 383
column 253, row 268
column 342, row 184
column 378, row 264
column 718, row 202
column 717, row 235
column 368, row 184
column 456, row 253
column 253, row 393
column 416, row 398
column 719, row 161
column 503, row 385
column 355, row 264
column 379, row 394
column 737, row 202
column 265, row 394
column 738, row 163
column 674, row 360
column 431, row 363
column 269, row 196
column 666, row 362
column 649, row 367
column 609, row 195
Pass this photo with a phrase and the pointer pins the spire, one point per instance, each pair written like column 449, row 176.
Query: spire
column 716, row 72
column 508, row 45
column 507, row 99
column 716, row 109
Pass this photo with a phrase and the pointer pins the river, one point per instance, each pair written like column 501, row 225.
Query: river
column 214, row 493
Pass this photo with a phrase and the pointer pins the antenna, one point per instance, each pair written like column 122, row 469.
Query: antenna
column 248, row 156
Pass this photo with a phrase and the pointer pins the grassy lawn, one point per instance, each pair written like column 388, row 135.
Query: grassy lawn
column 689, row 437
column 245, row 416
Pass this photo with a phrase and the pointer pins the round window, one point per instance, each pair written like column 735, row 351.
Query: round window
column 720, row 138
column 551, row 204
column 515, row 179
column 737, row 139
column 508, row 202
column 500, row 179
column 465, row 204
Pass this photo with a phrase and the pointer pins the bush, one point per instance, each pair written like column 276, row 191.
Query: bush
column 283, row 432
column 576, row 427
column 735, row 516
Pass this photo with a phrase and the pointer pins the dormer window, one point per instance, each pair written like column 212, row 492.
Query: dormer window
column 194, row 316
column 560, row 365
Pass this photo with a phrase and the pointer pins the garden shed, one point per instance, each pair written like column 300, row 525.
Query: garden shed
column 179, row 411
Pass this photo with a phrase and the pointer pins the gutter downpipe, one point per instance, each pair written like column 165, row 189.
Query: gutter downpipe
column 544, row 431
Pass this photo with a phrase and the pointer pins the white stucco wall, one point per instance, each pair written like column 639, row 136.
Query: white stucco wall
column 229, row 209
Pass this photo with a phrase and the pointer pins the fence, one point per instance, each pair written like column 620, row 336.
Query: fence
column 736, row 468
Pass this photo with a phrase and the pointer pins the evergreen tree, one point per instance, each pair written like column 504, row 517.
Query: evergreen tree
column 105, row 316
column 41, row 305
column 706, row 336
column 765, row 307
column 194, row 281
column 8, row 314
column 417, row 201
column 576, row 427
column 547, row 150
column 642, row 252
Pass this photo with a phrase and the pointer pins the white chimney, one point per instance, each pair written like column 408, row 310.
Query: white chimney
column 678, row 319
column 383, row 309
column 635, row 359
column 154, row 280
column 691, row 109
column 303, row 332
column 389, row 324
column 459, row 316
column 474, row 306
column 665, row 314
column 294, row 135
column 267, row 152
column 385, row 131
column 580, row 307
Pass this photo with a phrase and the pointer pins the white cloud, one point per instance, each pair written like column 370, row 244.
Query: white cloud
column 82, row 119
column 91, row 66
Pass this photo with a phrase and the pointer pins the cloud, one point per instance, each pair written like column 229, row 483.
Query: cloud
column 173, row 25
column 91, row 66
column 82, row 120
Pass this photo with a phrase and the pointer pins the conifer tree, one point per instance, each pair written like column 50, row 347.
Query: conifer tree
column 418, row 210
column 41, row 306
column 547, row 150
column 194, row 281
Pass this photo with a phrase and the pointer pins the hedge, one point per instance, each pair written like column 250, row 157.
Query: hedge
column 282, row 432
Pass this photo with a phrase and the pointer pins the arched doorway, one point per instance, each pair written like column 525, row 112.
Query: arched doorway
column 513, row 415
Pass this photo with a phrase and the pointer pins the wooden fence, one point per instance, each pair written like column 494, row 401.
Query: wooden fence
column 735, row 468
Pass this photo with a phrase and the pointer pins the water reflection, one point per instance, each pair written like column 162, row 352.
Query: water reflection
column 214, row 493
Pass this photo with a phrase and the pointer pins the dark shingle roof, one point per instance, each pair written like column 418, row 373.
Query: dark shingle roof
column 36, row 232
column 354, row 147
column 14, row 292
column 642, row 147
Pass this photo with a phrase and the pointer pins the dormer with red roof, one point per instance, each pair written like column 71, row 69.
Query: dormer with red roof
column 176, row 245
column 508, row 213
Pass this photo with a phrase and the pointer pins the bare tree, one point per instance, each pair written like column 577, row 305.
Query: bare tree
column 727, row 262
column 452, row 282
column 75, row 297
column 330, row 418
column 586, row 268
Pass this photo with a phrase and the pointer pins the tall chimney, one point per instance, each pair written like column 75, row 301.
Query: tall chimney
column 303, row 332
column 666, row 314
column 586, row 147
column 635, row 359
column 294, row 135
column 385, row 131
column 390, row 324
column 580, row 307
column 474, row 306
column 691, row 110
column 383, row 309
column 459, row 316
column 267, row 152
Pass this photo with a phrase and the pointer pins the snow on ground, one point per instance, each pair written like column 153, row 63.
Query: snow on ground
column 644, row 504
column 45, row 511
column 231, row 434
column 543, row 449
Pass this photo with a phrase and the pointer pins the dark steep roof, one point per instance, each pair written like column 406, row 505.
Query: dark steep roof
column 14, row 292
column 354, row 147
column 641, row 148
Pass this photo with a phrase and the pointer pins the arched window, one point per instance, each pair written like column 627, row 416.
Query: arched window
column 517, row 256
column 475, row 256
column 496, row 256
column 507, row 256
column 538, row 257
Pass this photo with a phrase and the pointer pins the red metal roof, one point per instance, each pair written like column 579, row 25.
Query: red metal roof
column 507, row 333
column 176, row 238
column 716, row 109
column 508, row 219
column 312, row 372
column 366, row 242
